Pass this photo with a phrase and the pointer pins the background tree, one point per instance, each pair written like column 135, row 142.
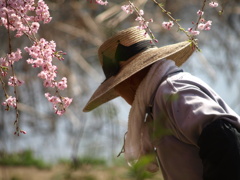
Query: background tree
column 79, row 27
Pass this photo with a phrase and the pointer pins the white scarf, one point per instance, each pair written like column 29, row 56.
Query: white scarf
column 137, row 141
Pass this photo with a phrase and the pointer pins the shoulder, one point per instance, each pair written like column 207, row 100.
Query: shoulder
column 182, row 88
column 175, row 84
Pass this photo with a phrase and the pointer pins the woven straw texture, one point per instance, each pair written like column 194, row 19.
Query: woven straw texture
column 178, row 52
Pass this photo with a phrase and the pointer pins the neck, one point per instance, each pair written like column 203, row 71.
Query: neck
column 127, row 89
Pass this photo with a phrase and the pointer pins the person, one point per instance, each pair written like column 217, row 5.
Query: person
column 193, row 132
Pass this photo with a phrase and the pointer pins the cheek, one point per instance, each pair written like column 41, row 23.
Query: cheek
column 126, row 92
column 122, row 89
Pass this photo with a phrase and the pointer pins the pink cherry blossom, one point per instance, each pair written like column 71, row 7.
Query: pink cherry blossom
column 208, row 25
column 142, row 23
column 67, row 101
column 48, row 83
column 59, row 105
column 101, row 2
column 202, row 20
column 24, row 17
column 200, row 13
column 42, row 12
column 213, row 4
column 42, row 53
column 10, row 101
column 205, row 26
column 193, row 32
column 14, row 16
column 13, row 81
column 61, row 108
column 4, row 63
column 128, row 9
column 167, row 25
column 141, row 12
column 201, row 26
column 15, row 56
column 23, row 132
column 52, row 99
column 62, row 84
column 34, row 27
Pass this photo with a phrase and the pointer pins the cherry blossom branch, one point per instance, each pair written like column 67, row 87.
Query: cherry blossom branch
column 3, row 87
column 201, row 23
column 200, row 13
column 13, row 83
column 16, row 122
column 8, row 31
column 14, row 16
column 191, row 33
column 143, row 24
column 100, row 2
column 170, row 24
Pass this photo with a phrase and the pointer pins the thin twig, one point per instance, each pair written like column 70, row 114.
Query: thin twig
column 190, row 37
column 16, row 122
column 3, row 86
column 138, row 14
column 200, row 16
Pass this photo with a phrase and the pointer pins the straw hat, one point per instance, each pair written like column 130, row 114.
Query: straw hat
column 125, row 54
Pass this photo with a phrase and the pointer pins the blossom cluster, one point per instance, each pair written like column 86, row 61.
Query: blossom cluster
column 129, row 9
column 205, row 25
column 24, row 18
column 142, row 23
column 42, row 53
column 10, row 102
column 100, row 2
column 10, row 59
column 59, row 103
column 201, row 25
column 213, row 4
column 14, row 81
column 167, row 25
column 14, row 15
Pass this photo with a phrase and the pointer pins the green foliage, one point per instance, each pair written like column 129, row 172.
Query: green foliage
column 87, row 160
column 91, row 161
column 69, row 176
column 15, row 178
column 138, row 170
column 63, row 176
column 120, row 161
column 85, row 164
column 88, row 177
column 25, row 158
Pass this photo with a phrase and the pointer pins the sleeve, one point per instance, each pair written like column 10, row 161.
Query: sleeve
column 220, row 151
column 190, row 109
column 197, row 116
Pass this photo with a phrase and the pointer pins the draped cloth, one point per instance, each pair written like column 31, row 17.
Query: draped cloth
column 138, row 141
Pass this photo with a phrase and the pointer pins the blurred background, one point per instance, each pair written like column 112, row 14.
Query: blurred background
column 79, row 27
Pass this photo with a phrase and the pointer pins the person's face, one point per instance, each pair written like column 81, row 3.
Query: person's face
column 127, row 89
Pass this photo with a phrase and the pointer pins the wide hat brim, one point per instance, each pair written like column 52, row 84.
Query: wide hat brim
column 178, row 52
